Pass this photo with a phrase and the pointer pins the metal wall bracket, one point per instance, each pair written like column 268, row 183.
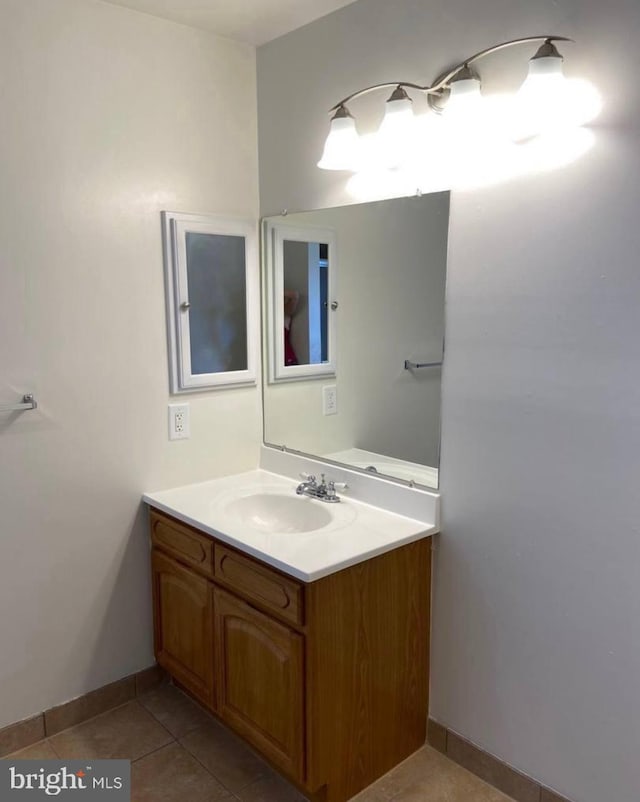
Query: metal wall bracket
column 28, row 402
column 408, row 365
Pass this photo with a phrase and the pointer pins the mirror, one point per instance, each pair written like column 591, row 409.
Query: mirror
column 300, row 285
column 379, row 409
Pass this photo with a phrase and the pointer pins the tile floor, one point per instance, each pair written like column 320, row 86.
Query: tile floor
column 181, row 754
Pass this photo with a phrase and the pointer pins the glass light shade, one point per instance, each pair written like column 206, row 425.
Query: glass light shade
column 547, row 101
column 396, row 132
column 464, row 99
column 342, row 148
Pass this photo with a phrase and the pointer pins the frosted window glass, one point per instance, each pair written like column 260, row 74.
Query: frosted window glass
column 217, row 296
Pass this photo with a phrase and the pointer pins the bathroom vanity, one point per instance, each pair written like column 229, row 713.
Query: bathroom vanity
column 316, row 654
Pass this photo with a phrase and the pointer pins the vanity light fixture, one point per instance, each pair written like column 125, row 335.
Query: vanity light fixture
column 547, row 102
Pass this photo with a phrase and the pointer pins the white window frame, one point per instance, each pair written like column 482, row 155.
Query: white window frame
column 175, row 227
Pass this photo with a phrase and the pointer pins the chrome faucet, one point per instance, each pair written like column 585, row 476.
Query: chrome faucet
column 325, row 491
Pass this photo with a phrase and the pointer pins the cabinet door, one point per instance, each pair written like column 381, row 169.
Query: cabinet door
column 259, row 681
column 183, row 625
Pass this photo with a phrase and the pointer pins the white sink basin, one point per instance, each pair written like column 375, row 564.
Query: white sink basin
column 259, row 513
column 276, row 512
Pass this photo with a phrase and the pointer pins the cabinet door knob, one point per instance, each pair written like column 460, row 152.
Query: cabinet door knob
column 185, row 305
column 334, row 305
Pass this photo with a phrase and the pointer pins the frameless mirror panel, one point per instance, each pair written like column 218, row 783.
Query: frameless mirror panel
column 217, row 293
column 392, row 271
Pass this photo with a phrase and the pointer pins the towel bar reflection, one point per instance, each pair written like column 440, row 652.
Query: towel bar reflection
column 28, row 402
column 417, row 365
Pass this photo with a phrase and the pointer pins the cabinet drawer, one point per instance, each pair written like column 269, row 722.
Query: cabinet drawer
column 279, row 594
column 182, row 542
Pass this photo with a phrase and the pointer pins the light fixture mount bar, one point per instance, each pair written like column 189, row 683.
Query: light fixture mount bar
column 439, row 86
column 389, row 84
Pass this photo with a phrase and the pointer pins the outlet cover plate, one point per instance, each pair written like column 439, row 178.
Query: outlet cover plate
column 329, row 400
column 179, row 424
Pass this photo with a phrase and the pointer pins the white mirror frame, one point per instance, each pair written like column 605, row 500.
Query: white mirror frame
column 175, row 227
column 275, row 235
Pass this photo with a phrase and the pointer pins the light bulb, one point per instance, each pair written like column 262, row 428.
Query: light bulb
column 397, row 129
column 547, row 101
column 342, row 147
column 465, row 100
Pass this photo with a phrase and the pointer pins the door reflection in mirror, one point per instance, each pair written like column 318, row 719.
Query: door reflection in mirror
column 305, row 302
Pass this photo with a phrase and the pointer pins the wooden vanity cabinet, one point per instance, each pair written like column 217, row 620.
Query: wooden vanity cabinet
column 327, row 679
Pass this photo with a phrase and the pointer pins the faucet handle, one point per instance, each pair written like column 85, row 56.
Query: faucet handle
column 339, row 485
column 308, row 477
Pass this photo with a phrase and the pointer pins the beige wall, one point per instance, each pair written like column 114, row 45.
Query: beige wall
column 536, row 647
column 108, row 116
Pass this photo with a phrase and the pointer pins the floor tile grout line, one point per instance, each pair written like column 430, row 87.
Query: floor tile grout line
column 150, row 714
column 215, row 777
column 55, row 752
column 178, row 740
column 200, row 763
column 175, row 736
column 113, row 709
column 153, row 751
column 190, row 700
column 147, row 754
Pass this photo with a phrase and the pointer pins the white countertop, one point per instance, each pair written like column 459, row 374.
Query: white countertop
column 357, row 532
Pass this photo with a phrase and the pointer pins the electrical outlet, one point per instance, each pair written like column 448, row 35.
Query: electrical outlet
column 329, row 400
column 179, row 428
